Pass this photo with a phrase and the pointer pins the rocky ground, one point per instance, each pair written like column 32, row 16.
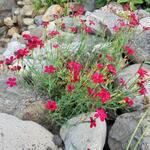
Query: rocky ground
column 18, row 17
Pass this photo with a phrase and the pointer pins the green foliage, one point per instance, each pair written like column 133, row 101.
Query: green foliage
column 134, row 3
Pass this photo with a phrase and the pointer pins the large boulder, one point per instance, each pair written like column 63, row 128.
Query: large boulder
column 104, row 21
column 17, row 134
column 77, row 134
column 123, row 129
column 140, row 41
column 14, row 100
column 129, row 75
column 7, row 4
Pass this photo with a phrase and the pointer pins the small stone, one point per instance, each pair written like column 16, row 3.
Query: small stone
column 20, row 3
column 51, row 11
column 142, row 13
column 8, row 21
column 3, row 30
column 12, row 31
column 42, row 11
column 28, row 21
column 28, row 10
column 32, row 26
column 89, row 5
column 17, row 11
column 38, row 20
column 14, row 18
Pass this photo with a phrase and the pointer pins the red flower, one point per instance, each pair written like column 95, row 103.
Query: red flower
column 116, row 28
column 34, row 42
column 101, row 114
column 74, row 68
column 27, row 36
column 51, row 105
column 80, row 11
column 45, row 24
column 63, row 26
column 91, row 22
column 129, row 50
column 99, row 66
column 22, row 53
column 82, row 21
column 143, row 90
column 15, row 68
column 129, row 101
column 133, row 20
column 111, row 68
column 55, row 46
column 70, row 88
column 126, row 7
column 87, row 29
column 91, row 92
column 122, row 23
column 11, row 82
column 109, row 57
column 104, row 95
column 142, row 73
column 92, row 122
column 54, row 33
column 1, row 62
column 10, row 60
column 74, row 29
column 98, row 78
column 122, row 82
column 50, row 69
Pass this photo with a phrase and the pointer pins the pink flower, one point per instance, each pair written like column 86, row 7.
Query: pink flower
column 109, row 57
column 122, row 82
column 87, row 29
column 80, row 11
column 133, row 20
column 70, row 88
column 49, row 69
column 9, row 61
column 104, row 95
column 129, row 101
column 55, row 46
column 143, row 90
column 99, row 66
column 101, row 114
column 54, row 33
column 51, row 105
column 129, row 50
column 74, row 68
column 22, row 53
column 98, row 78
column 116, row 28
column 111, row 68
column 91, row 22
column 11, row 82
column 142, row 73
column 27, row 36
column 91, row 92
column 92, row 122
column 74, row 29
column 45, row 24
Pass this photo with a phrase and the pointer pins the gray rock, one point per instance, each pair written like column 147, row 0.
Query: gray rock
column 123, row 129
column 7, row 4
column 8, row 21
column 89, row 5
column 129, row 76
column 3, row 31
column 78, row 135
column 28, row 21
column 104, row 21
column 142, row 13
column 17, row 134
column 14, row 100
column 12, row 47
column 38, row 20
column 140, row 42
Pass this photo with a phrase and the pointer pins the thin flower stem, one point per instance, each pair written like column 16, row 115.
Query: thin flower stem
column 143, row 116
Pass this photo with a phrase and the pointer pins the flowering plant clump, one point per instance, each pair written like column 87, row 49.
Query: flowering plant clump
column 76, row 82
